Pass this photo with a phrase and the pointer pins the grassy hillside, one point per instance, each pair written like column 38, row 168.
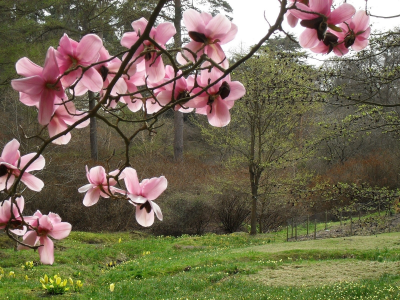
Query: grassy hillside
column 235, row 266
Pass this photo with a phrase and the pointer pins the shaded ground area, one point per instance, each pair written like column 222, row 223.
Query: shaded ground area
column 326, row 272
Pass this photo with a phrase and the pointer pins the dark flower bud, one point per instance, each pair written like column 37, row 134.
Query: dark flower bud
column 198, row 37
column 224, row 90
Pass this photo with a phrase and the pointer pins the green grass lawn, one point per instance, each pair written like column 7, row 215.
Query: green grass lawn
column 235, row 266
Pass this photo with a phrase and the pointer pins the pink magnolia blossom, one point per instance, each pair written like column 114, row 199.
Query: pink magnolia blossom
column 219, row 99
column 317, row 17
column 64, row 116
column 15, row 217
column 181, row 88
column 11, row 164
column 142, row 195
column 358, row 31
column 332, row 42
column 354, row 35
column 291, row 19
column 42, row 85
column 71, row 54
column 161, row 34
column 126, row 84
column 208, row 33
column 45, row 226
column 99, row 185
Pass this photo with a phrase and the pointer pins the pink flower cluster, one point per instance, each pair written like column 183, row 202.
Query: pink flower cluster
column 141, row 195
column 329, row 30
column 208, row 33
column 35, row 229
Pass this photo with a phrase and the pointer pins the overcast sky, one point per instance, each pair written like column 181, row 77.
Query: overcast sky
column 248, row 15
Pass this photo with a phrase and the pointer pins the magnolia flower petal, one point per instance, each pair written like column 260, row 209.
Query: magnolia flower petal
column 88, row 48
column 218, row 27
column 18, row 206
column 320, row 48
column 154, row 187
column 55, row 218
column 85, row 188
column 217, row 54
column 308, row 38
column 193, row 47
column 65, row 47
column 139, row 26
column 131, row 181
column 10, row 152
column 193, row 21
column 38, row 163
column 360, row 20
column 60, row 230
column 97, row 175
column 237, row 91
column 29, row 100
column 359, row 44
column 155, row 68
column 92, row 80
column 50, row 69
column 20, row 231
column 46, row 106
column 5, row 212
column 46, row 252
column 128, row 39
column 152, row 106
column 32, row 182
column 33, row 85
column 230, row 35
column 164, row 32
column 25, row 67
column 134, row 105
column 91, row 197
column 291, row 19
column 45, row 223
column 341, row 14
column 198, row 102
column 164, row 97
column 80, row 89
column 143, row 218
column 302, row 15
column 30, row 238
column 157, row 210
column 321, row 6
column 219, row 115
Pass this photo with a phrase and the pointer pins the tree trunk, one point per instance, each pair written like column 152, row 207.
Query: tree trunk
column 93, row 129
column 254, row 177
column 178, row 116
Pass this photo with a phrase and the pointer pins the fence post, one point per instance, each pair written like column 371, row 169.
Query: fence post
column 341, row 217
column 326, row 219
column 292, row 226
column 308, row 221
column 315, row 229
column 351, row 225
column 295, row 230
column 379, row 207
column 287, row 233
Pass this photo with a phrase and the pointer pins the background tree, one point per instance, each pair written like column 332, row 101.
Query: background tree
column 270, row 126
